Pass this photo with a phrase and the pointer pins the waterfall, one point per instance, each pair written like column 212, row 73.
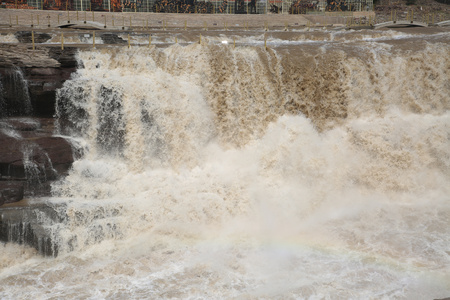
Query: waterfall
column 37, row 166
column 319, row 169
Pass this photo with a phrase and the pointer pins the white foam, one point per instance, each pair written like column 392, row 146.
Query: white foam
column 205, row 199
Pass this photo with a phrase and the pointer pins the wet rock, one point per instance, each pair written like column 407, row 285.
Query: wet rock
column 66, row 58
column 110, row 38
column 11, row 192
column 26, row 37
column 24, row 56
column 15, row 97
column 30, row 153
column 30, row 157
column 42, row 71
column 22, row 124
column 23, row 224
column 59, row 151
column 11, row 158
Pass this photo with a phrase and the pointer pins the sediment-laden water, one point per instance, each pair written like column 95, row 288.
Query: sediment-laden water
column 316, row 169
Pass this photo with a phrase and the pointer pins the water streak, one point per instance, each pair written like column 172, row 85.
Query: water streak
column 15, row 97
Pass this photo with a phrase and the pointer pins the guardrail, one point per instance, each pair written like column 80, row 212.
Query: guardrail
column 97, row 39
column 415, row 15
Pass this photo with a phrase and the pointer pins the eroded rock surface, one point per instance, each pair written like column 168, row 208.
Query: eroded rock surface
column 11, row 191
column 30, row 157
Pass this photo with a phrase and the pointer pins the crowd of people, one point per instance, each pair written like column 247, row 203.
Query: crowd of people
column 164, row 6
column 133, row 5
column 183, row 6
column 302, row 7
column 338, row 5
column 16, row 4
column 193, row 6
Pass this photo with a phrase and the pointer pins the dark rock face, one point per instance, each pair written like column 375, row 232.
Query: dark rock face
column 26, row 37
column 60, row 153
column 10, row 156
column 29, row 79
column 11, row 191
column 15, row 96
column 42, row 86
column 43, row 82
column 110, row 38
column 66, row 59
column 31, row 156
column 24, row 225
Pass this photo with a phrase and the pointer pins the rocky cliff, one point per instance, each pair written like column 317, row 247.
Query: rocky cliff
column 30, row 155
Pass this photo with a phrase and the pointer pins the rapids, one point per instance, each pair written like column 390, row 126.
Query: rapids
column 316, row 169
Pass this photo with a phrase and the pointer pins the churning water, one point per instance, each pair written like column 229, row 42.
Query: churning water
column 310, row 171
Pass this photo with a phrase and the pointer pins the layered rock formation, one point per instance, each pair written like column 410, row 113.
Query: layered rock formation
column 30, row 156
column 44, row 70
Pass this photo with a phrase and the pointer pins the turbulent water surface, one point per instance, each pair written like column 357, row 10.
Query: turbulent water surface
column 316, row 169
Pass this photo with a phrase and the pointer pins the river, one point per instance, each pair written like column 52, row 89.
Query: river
column 318, row 168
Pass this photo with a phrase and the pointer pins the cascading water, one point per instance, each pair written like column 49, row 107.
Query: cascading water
column 37, row 167
column 15, row 97
column 318, row 171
